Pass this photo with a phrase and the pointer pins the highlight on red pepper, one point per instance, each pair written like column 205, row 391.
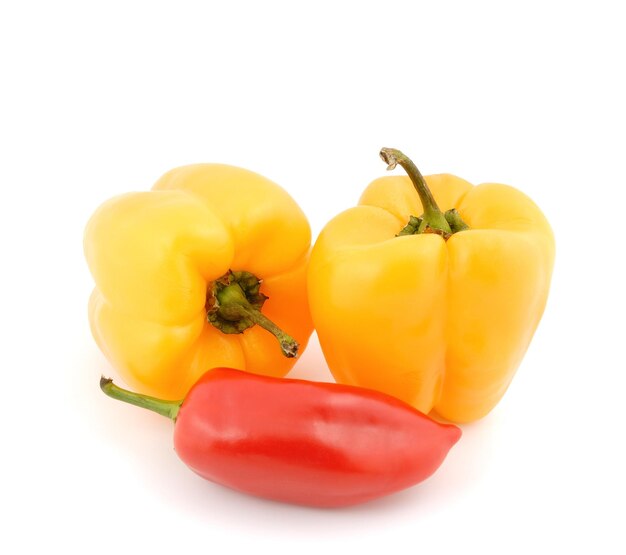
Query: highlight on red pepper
column 297, row 441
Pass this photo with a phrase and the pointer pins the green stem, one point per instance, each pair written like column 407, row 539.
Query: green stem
column 164, row 408
column 433, row 217
column 234, row 305
column 455, row 221
column 288, row 345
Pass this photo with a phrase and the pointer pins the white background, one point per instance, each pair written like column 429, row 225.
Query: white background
column 99, row 98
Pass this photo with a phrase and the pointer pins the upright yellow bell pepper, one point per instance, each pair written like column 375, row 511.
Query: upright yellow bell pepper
column 437, row 310
column 183, row 271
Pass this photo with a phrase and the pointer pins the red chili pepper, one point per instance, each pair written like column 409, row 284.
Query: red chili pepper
column 310, row 443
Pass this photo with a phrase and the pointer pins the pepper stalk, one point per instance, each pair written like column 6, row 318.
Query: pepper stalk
column 234, row 304
column 433, row 220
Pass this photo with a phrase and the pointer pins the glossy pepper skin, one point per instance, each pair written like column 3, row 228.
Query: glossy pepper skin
column 156, row 257
column 301, row 442
column 440, row 321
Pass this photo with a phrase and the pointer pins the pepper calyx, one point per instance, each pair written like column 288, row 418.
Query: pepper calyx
column 229, row 296
column 233, row 305
column 433, row 220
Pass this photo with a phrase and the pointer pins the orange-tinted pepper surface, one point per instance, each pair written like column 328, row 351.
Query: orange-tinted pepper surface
column 188, row 275
column 437, row 310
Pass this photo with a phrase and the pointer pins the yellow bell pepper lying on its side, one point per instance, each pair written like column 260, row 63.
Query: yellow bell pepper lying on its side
column 189, row 274
column 436, row 310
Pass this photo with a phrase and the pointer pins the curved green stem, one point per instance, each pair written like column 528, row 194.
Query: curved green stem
column 164, row 408
column 433, row 217
column 234, row 304
column 288, row 345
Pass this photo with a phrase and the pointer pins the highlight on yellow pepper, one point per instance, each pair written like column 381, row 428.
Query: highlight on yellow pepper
column 206, row 270
column 437, row 310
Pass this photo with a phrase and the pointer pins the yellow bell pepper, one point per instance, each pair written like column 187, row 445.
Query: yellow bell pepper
column 438, row 310
column 183, row 271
